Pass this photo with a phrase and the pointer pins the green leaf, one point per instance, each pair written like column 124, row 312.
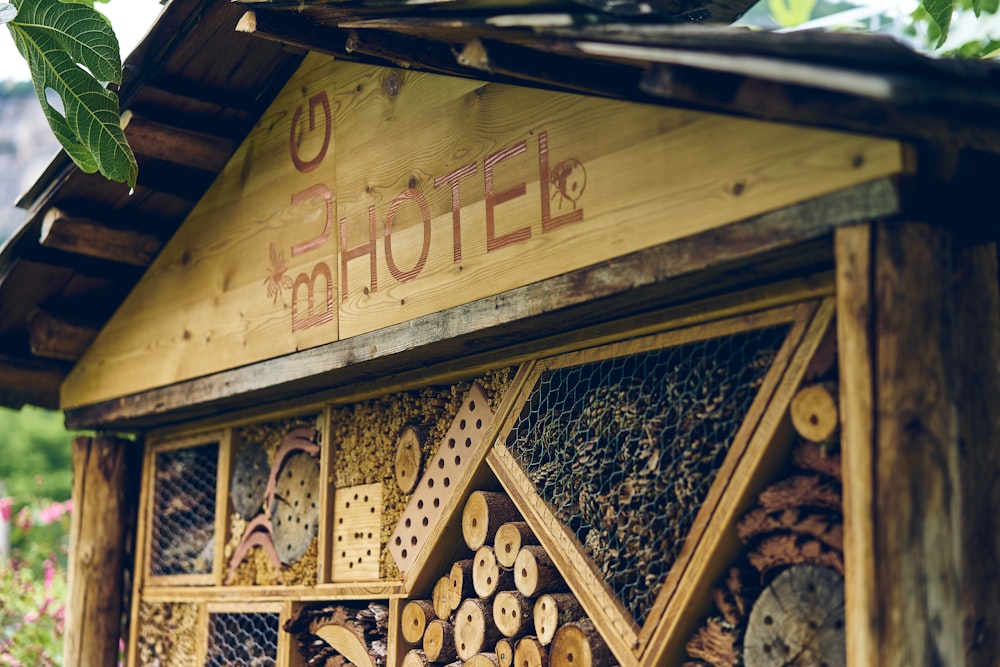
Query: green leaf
column 71, row 50
column 940, row 12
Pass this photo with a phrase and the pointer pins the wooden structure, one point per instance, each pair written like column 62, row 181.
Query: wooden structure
column 520, row 334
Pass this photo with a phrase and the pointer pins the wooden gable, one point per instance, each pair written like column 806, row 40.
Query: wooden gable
column 368, row 196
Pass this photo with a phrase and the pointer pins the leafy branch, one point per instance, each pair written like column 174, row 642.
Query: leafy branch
column 73, row 54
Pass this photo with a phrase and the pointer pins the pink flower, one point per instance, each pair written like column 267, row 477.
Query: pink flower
column 24, row 520
column 50, row 572
column 6, row 509
column 68, row 505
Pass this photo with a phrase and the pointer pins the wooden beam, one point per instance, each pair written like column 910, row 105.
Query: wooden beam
column 852, row 252
column 176, row 145
column 915, row 497
column 778, row 244
column 977, row 305
column 95, row 239
column 54, row 337
column 102, row 510
column 35, row 381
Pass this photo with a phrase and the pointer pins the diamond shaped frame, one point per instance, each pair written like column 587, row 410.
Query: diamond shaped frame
column 710, row 542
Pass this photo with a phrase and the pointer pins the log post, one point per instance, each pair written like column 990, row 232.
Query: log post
column 534, row 573
column 484, row 513
column 902, row 497
column 529, row 652
column 439, row 641
column 101, row 515
column 578, row 644
column 487, row 576
column 512, row 613
column 414, row 618
column 509, row 539
column 977, row 304
column 474, row 628
column 552, row 611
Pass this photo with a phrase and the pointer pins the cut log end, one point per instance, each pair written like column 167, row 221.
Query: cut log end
column 474, row 628
column 408, row 458
column 509, row 539
column 441, row 597
column 534, row 573
column 578, row 644
column 512, row 613
column 461, row 582
column 484, row 513
column 414, row 619
column 529, row 652
column 553, row 610
column 505, row 653
column 814, row 413
column 799, row 616
column 415, row 658
column 487, row 575
column 439, row 641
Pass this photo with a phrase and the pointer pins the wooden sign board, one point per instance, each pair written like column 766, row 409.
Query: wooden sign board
column 369, row 196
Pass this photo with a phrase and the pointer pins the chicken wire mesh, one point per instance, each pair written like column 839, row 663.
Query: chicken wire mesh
column 625, row 449
column 242, row 640
column 184, row 511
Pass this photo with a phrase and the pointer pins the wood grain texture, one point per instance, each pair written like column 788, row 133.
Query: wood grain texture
column 916, row 473
column 102, row 466
column 768, row 247
column 383, row 183
column 58, row 337
column 641, row 181
column 853, row 248
column 94, row 239
column 977, row 309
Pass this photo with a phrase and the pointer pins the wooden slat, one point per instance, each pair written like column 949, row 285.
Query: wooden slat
column 176, row 145
column 92, row 238
column 54, row 337
column 34, row 380
column 853, row 247
column 977, row 305
column 917, row 492
column 683, row 270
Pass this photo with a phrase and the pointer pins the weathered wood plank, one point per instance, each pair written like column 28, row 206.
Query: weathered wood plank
column 101, row 509
column 89, row 237
column 54, row 337
column 176, row 144
column 977, row 310
column 30, row 380
column 917, row 494
column 368, row 196
column 853, row 248
column 745, row 253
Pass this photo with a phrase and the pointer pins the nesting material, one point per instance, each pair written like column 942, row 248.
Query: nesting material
column 167, row 634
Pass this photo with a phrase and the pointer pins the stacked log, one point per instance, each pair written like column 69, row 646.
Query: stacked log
column 505, row 606
column 334, row 635
column 793, row 541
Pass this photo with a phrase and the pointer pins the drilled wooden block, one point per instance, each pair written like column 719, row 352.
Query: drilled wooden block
column 440, row 478
column 357, row 519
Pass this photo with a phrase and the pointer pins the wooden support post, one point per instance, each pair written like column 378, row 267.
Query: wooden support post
column 101, row 509
column 902, row 500
column 977, row 309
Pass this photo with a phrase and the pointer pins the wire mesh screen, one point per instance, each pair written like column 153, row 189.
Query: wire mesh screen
column 243, row 640
column 184, row 510
column 625, row 449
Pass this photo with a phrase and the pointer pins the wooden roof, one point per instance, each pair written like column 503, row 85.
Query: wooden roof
column 202, row 77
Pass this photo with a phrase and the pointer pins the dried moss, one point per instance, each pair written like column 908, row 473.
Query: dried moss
column 364, row 437
column 167, row 634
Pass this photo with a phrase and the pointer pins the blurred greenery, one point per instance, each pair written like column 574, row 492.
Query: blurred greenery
column 35, row 455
